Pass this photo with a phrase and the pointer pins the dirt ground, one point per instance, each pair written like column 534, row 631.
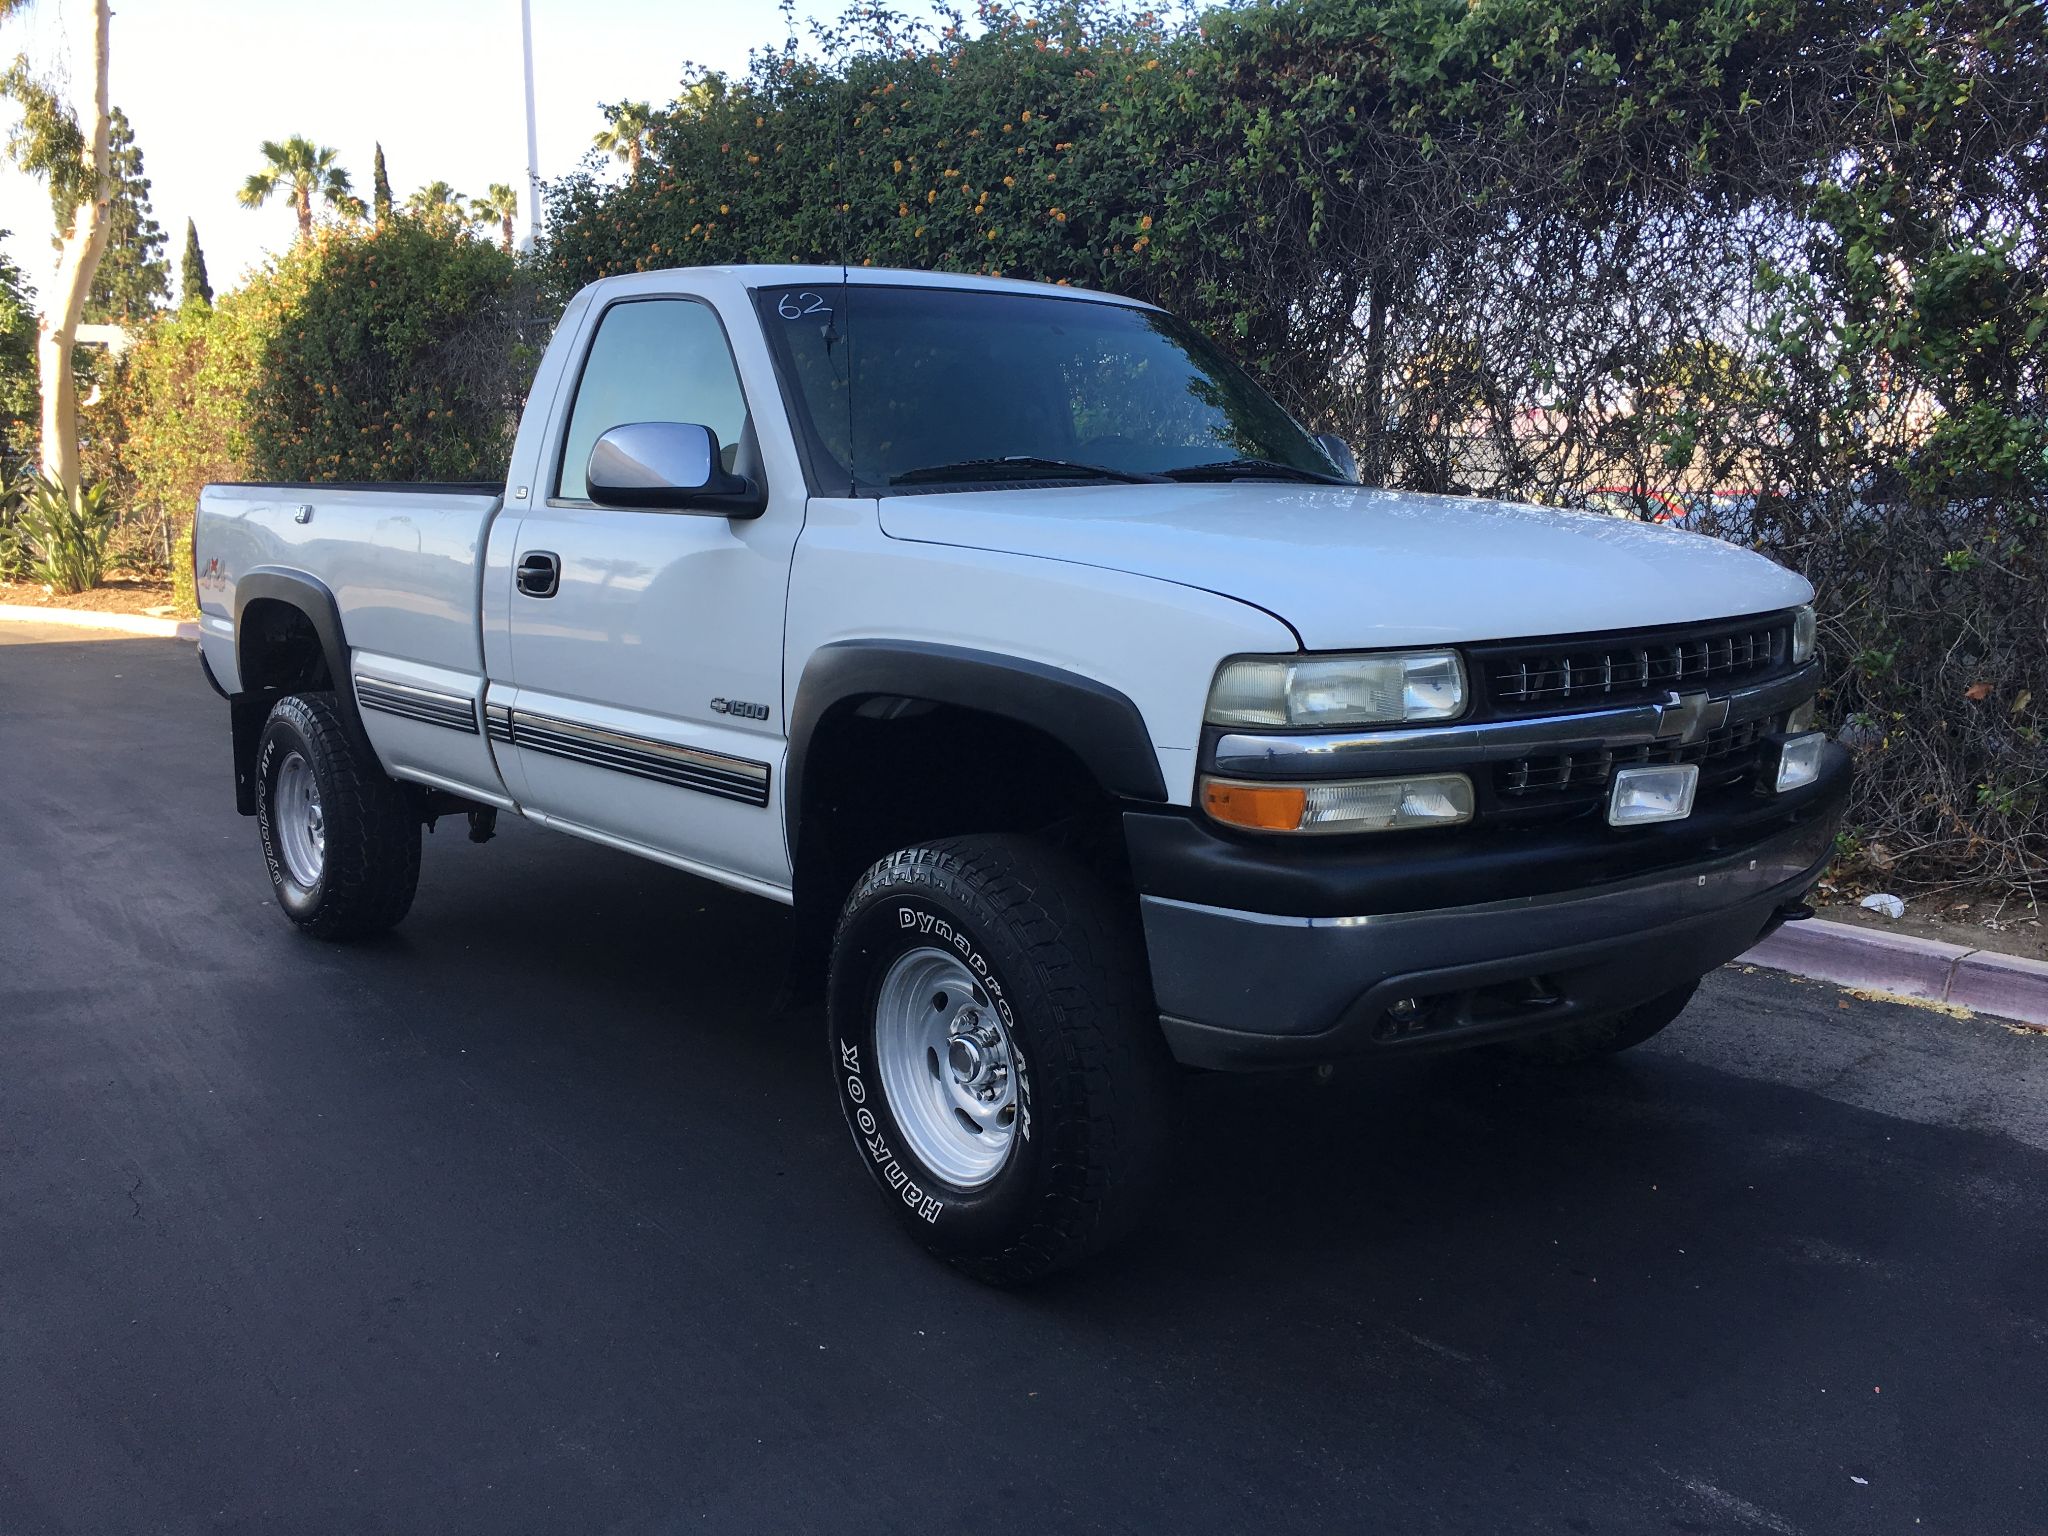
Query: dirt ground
column 117, row 595
column 1986, row 919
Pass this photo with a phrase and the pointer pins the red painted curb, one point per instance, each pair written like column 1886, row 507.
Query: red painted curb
column 1979, row 979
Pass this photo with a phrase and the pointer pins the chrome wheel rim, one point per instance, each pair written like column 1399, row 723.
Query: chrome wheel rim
column 301, row 823
column 947, row 1067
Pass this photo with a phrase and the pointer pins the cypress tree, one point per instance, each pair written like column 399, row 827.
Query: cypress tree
column 380, row 188
column 133, row 279
column 193, row 287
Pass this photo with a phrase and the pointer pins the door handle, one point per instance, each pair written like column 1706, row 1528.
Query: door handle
column 539, row 573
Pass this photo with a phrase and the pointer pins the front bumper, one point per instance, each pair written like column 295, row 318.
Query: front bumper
column 1489, row 938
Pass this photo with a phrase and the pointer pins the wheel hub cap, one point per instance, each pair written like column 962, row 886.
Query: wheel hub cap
column 301, row 820
column 947, row 1067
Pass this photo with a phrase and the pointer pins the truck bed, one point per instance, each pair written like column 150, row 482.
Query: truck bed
column 404, row 562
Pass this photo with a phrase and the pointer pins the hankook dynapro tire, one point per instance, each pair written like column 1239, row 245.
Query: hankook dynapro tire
column 341, row 842
column 998, row 1060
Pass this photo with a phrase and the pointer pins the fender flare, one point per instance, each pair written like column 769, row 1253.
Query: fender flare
column 295, row 589
column 249, row 709
column 1098, row 724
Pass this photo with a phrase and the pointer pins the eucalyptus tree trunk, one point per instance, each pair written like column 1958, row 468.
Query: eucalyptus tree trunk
column 78, row 258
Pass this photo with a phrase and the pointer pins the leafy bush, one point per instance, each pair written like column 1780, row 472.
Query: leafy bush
column 184, row 594
column 174, row 414
column 394, row 353
column 401, row 352
column 63, row 538
column 13, row 558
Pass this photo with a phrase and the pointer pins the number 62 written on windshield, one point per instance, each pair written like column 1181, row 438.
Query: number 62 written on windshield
column 794, row 306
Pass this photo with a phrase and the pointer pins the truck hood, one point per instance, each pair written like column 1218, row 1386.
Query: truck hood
column 1352, row 567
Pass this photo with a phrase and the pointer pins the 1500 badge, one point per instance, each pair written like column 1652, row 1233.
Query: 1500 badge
column 739, row 707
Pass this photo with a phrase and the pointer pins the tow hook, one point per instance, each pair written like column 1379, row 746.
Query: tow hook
column 1790, row 912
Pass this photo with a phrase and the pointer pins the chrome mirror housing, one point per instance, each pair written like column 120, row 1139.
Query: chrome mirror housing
column 668, row 466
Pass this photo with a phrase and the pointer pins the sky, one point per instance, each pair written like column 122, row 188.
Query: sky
column 437, row 81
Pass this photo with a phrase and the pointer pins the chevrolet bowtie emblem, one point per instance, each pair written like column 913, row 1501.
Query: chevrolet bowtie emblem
column 1690, row 717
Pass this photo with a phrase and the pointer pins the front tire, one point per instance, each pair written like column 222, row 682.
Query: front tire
column 1598, row 1038
column 999, row 1063
column 342, row 844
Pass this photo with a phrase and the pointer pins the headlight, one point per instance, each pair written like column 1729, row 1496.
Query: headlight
column 1353, row 805
column 1804, row 627
column 1386, row 688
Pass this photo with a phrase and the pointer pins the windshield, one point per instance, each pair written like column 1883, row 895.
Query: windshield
column 901, row 388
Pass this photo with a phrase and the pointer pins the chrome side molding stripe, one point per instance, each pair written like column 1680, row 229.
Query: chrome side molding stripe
column 429, row 706
column 1341, row 754
column 710, row 773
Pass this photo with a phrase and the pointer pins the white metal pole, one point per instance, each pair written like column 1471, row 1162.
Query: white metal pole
column 532, row 130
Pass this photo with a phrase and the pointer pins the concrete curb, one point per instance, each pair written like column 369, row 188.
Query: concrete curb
column 1981, row 980
column 86, row 618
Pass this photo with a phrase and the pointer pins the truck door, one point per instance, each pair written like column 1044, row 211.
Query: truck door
column 645, row 647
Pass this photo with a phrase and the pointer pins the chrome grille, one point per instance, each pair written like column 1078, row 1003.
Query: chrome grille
column 1591, row 671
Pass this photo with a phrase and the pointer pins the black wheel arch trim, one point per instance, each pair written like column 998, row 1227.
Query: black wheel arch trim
column 249, row 708
column 308, row 594
column 1098, row 724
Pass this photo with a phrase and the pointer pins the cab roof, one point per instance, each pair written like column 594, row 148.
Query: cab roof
column 777, row 275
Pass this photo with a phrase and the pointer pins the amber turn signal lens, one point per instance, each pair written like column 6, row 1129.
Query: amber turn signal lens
column 1262, row 807
column 1341, row 805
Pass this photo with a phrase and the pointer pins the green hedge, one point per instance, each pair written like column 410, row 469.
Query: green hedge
column 398, row 353
column 388, row 355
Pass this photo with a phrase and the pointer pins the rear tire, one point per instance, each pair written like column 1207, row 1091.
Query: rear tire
column 342, row 844
column 1604, row 1037
column 999, row 1061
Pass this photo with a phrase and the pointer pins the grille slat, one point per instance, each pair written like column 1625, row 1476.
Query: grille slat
column 1596, row 671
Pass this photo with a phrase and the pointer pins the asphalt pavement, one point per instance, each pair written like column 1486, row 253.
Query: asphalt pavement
column 538, row 1216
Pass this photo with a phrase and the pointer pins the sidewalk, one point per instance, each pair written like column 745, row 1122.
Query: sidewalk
column 92, row 618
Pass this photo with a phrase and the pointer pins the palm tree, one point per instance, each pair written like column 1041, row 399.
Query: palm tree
column 438, row 201
column 499, row 205
column 625, row 134
column 303, row 170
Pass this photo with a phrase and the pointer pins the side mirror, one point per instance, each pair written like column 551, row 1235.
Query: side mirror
column 1340, row 454
column 668, row 466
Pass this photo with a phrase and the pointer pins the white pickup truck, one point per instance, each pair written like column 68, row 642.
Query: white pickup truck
column 1093, row 720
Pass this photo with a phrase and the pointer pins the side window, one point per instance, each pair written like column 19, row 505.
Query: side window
column 653, row 360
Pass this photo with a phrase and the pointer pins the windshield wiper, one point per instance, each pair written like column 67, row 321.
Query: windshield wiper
column 1017, row 466
column 1250, row 469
